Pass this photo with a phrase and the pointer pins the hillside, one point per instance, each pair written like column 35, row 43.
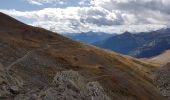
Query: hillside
column 161, row 59
column 37, row 64
column 141, row 45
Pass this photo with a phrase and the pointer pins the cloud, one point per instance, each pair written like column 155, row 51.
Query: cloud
column 129, row 5
column 41, row 2
column 144, row 10
column 64, row 28
column 84, row 2
column 34, row 2
column 100, row 15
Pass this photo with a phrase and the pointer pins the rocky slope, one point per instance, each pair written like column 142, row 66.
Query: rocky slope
column 162, row 80
column 39, row 64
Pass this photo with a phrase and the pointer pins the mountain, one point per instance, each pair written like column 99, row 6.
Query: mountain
column 37, row 64
column 120, row 43
column 141, row 45
column 88, row 37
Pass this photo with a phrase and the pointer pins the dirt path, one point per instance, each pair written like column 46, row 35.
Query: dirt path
column 21, row 59
column 98, row 77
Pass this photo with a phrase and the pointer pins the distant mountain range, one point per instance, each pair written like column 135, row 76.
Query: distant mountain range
column 88, row 37
column 141, row 45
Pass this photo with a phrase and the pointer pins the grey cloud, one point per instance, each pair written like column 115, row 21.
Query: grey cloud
column 145, row 11
column 101, row 21
column 98, row 16
column 137, row 5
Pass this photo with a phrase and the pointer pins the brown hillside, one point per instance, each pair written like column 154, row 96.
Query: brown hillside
column 161, row 59
column 31, row 57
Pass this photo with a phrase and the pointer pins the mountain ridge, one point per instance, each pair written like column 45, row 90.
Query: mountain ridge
column 88, row 37
column 141, row 45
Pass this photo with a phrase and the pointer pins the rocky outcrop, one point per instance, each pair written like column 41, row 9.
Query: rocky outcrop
column 9, row 87
column 72, row 81
column 162, row 80
column 67, row 85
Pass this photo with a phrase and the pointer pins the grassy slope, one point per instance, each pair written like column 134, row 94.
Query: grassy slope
column 122, row 77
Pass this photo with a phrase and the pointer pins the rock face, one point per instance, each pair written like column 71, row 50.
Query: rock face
column 36, row 64
column 162, row 80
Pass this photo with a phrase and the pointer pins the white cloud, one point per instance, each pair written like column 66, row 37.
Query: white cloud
column 100, row 15
column 41, row 2
column 64, row 28
column 84, row 2
column 34, row 2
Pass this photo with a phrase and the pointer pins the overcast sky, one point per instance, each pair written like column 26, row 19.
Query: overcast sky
column 73, row 16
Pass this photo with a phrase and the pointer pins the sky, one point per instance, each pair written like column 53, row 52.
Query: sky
column 75, row 16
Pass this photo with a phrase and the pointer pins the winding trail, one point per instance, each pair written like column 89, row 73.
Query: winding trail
column 21, row 59
column 25, row 56
column 98, row 77
column 18, row 60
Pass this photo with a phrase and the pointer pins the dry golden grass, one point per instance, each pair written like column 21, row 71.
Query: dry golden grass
column 161, row 59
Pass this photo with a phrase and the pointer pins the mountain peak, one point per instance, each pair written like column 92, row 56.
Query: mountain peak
column 127, row 33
